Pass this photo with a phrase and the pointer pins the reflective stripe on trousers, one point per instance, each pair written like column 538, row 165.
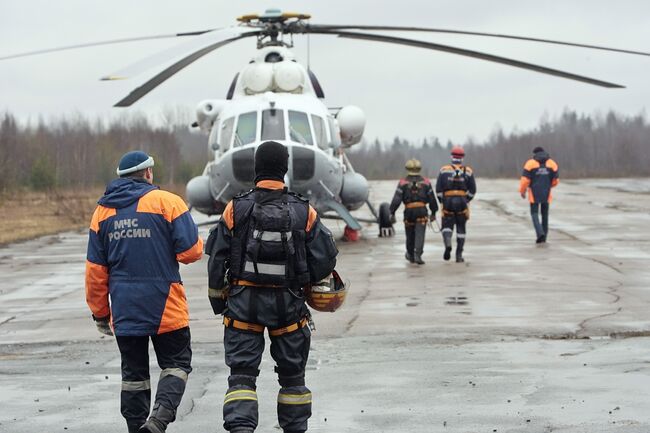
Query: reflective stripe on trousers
column 136, row 385
column 294, row 408
column 240, row 394
column 294, row 398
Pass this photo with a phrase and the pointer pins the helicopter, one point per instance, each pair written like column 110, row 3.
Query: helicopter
column 276, row 98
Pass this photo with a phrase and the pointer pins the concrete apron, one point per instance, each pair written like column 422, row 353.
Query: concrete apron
column 519, row 338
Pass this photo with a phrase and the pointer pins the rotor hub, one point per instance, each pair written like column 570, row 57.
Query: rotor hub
column 274, row 25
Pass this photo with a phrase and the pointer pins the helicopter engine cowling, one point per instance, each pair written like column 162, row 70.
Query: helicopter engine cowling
column 207, row 112
column 354, row 192
column 257, row 78
column 289, row 77
column 199, row 196
column 352, row 122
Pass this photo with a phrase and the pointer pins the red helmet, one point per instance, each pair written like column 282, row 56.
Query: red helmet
column 458, row 152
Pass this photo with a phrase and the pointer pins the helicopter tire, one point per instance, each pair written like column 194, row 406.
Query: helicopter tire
column 385, row 225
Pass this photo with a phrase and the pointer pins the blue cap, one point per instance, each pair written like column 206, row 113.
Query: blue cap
column 133, row 161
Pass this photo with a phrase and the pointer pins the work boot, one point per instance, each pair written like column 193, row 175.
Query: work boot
column 159, row 419
column 540, row 239
column 447, row 254
column 417, row 258
column 460, row 243
column 153, row 426
column 409, row 257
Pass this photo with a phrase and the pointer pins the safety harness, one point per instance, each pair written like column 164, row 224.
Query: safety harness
column 254, row 327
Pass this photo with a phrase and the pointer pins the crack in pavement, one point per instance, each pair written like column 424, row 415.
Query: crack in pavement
column 582, row 326
column 349, row 325
column 7, row 320
column 204, row 390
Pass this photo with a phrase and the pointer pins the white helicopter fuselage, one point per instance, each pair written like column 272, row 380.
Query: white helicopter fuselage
column 277, row 101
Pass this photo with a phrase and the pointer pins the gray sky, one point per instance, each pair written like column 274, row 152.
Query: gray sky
column 404, row 91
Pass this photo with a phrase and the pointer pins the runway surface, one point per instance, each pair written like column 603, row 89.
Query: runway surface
column 520, row 338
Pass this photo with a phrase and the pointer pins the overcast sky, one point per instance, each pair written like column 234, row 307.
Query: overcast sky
column 404, row 91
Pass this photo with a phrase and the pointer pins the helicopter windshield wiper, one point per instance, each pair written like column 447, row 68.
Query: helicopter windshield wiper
column 238, row 140
column 297, row 136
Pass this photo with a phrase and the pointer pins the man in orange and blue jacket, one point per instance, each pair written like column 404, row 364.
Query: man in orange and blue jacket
column 540, row 175
column 138, row 235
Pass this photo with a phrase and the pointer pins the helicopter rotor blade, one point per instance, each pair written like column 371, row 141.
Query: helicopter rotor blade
column 468, row 53
column 162, row 76
column 159, row 58
column 99, row 43
column 463, row 32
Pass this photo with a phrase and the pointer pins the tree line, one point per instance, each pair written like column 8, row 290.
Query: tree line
column 610, row 145
column 75, row 152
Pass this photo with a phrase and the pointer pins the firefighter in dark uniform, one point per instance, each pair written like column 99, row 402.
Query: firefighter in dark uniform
column 539, row 176
column 267, row 247
column 416, row 193
column 455, row 188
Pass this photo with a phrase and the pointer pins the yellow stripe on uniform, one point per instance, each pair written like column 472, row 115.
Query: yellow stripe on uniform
column 241, row 394
column 294, row 398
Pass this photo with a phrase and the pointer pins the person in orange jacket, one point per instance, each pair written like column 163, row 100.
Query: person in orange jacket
column 138, row 235
column 540, row 175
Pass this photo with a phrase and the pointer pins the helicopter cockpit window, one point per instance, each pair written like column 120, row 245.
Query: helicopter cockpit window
column 246, row 128
column 225, row 140
column 336, row 138
column 299, row 129
column 319, row 131
column 272, row 124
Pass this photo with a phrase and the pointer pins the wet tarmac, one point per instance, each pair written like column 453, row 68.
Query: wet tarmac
column 520, row 338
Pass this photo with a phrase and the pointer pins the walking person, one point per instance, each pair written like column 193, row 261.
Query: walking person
column 268, row 247
column 455, row 187
column 416, row 193
column 138, row 235
column 539, row 177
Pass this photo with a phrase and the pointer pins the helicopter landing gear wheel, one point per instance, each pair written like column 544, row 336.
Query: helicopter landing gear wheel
column 386, row 229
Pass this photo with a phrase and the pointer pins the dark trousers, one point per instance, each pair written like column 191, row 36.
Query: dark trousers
column 540, row 229
column 415, row 226
column 415, row 234
column 449, row 220
column 174, row 355
column 271, row 308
